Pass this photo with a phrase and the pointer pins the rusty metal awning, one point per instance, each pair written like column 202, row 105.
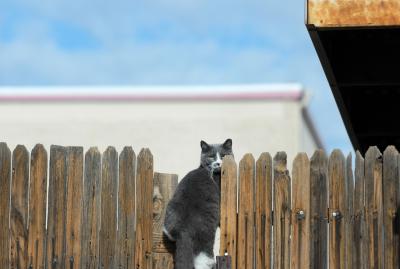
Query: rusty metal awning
column 358, row 44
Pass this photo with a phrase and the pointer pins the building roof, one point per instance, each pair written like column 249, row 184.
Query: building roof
column 153, row 93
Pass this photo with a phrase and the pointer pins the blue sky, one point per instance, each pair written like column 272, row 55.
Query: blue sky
column 165, row 42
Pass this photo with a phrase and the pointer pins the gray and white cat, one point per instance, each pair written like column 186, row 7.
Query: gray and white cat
column 192, row 215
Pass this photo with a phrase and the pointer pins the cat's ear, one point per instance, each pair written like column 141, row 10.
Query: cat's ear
column 204, row 146
column 228, row 144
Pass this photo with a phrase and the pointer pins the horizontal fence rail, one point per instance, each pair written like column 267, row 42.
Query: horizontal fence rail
column 72, row 209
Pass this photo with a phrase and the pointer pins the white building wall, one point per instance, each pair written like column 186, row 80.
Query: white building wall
column 172, row 130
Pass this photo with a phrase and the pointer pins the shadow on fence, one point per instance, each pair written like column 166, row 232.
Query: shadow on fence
column 106, row 210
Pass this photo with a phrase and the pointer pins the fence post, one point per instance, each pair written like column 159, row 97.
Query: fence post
column 319, row 209
column 5, row 180
column 19, row 208
column 360, row 249
column 245, row 255
column 282, row 212
column 91, row 210
column 374, row 207
column 301, row 200
column 144, row 210
column 228, row 217
column 337, row 210
column 390, row 183
column 37, row 208
column 74, row 207
column 125, row 248
column 349, row 221
column 57, row 208
column 164, row 188
column 263, row 211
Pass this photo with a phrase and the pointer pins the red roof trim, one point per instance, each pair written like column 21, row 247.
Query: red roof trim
column 250, row 96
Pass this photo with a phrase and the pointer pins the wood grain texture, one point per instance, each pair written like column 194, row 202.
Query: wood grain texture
column 337, row 210
column 390, row 190
column 228, row 233
column 164, row 188
column 301, row 218
column 5, row 182
column 74, row 207
column 349, row 221
column 37, row 208
column 282, row 212
column 91, row 210
column 108, row 228
column 374, row 207
column 19, row 209
column 126, row 210
column 263, row 211
column 360, row 236
column 319, row 209
column 56, row 235
column 144, row 210
column 245, row 232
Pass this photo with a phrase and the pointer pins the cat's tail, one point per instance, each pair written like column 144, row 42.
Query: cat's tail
column 184, row 252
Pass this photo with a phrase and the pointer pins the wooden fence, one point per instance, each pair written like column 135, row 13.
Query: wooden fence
column 96, row 210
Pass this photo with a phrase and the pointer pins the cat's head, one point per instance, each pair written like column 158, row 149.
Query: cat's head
column 212, row 155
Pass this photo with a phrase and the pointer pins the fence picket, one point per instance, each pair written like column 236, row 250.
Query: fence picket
column 337, row 210
column 164, row 188
column 319, row 209
column 144, row 210
column 263, row 211
column 19, row 209
column 301, row 201
column 228, row 217
column 360, row 249
column 125, row 248
column 57, row 208
column 281, row 257
column 108, row 228
column 349, row 221
column 5, row 180
column 374, row 207
column 91, row 210
column 390, row 182
column 37, row 208
column 74, row 207
column 245, row 232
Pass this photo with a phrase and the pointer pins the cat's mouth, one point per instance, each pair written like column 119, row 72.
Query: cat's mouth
column 216, row 170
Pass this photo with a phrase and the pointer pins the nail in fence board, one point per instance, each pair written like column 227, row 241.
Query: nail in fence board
column 5, row 180
column 301, row 232
column 318, row 209
column 229, row 208
column 246, row 213
column 390, row 192
column 91, row 210
column 164, row 188
column 374, row 207
column 126, row 210
column 360, row 236
column 74, row 207
column 263, row 211
column 37, row 208
column 349, row 221
column 144, row 210
column 281, row 258
column 108, row 228
column 19, row 209
column 57, row 208
column 337, row 210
